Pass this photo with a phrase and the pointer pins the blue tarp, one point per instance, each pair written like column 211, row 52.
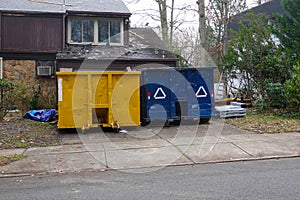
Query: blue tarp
column 41, row 115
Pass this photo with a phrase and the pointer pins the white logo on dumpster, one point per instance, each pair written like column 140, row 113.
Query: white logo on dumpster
column 201, row 93
column 160, row 94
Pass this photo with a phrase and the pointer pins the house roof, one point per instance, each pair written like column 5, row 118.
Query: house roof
column 147, row 37
column 144, row 43
column 269, row 9
column 63, row 6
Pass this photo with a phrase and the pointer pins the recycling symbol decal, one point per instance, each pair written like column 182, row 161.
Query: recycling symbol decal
column 160, row 94
column 201, row 93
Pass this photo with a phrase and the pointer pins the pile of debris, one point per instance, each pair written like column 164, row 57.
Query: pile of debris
column 234, row 109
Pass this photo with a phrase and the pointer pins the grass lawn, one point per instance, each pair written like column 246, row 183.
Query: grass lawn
column 4, row 160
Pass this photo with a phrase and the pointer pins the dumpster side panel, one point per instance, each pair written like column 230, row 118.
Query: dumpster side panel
column 116, row 98
column 126, row 99
column 156, row 97
column 72, row 111
column 203, row 77
column 201, row 81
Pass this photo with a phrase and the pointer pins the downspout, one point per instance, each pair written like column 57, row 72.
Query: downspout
column 62, row 47
column 64, row 33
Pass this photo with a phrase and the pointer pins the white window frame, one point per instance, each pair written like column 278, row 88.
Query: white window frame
column 1, row 68
column 96, row 30
column 70, row 29
column 121, row 31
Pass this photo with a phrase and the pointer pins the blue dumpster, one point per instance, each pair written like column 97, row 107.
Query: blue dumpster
column 175, row 94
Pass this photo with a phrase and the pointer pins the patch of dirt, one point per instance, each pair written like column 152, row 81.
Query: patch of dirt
column 26, row 133
column 266, row 123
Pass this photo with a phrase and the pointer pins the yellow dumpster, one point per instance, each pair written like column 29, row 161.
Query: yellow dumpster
column 93, row 99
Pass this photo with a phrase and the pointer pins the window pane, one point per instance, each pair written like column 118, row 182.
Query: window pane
column 115, row 30
column 102, row 31
column 76, row 27
column 88, row 30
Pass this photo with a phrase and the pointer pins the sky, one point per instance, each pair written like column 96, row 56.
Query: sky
column 137, row 7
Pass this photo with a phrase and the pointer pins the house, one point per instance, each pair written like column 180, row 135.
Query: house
column 40, row 37
column 270, row 9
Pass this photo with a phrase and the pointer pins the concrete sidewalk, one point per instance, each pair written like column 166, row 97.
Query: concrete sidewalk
column 146, row 149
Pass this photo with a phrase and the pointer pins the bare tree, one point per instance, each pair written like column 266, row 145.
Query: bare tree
column 218, row 14
column 170, row 16
column 187, row 43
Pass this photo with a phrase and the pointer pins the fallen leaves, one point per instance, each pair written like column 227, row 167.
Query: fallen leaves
column 22, row 133
column 266, row 123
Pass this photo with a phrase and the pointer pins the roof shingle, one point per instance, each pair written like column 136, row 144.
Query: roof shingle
column 269, row 9
column 63, row 6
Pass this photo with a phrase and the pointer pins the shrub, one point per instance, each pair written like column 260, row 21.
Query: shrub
column 292, row 88
column 276, row 95
column 34, row 103
column 22, row 97
column 17, row 95
column 6, row 97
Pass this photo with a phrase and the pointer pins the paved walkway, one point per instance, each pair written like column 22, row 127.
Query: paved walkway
column 146, row 149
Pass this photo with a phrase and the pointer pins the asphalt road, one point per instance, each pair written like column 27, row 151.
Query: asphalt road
column 269, row 179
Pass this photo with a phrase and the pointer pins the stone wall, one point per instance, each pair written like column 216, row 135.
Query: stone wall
column 25, row 71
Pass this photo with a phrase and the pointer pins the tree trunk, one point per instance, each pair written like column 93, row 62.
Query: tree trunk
column 226, row 19
column 163, row 20
column 202, row 24
column 225, row 38
column 172, row 24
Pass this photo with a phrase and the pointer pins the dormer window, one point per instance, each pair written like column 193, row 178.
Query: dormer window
column 82, row 30
column 96, row 31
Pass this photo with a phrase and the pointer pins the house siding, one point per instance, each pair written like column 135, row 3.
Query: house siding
column 21, row 33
